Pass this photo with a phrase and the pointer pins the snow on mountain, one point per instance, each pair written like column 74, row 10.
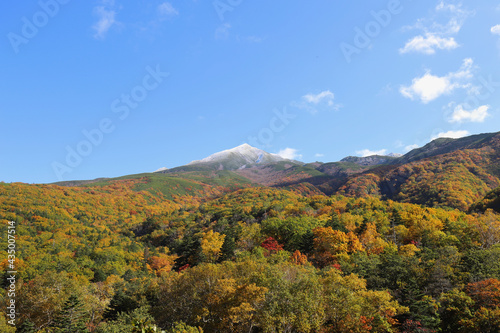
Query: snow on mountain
column 240, row 157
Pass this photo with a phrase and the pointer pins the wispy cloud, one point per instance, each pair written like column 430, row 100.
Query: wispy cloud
column 106, row 18
column 428, row 44
column 167, row 10
column 451, row 134
column 436, row 35
column 429, row 87
column 319, row 155
column 311, row 102
column 457, row 17
column 326, row 95
column 477, row 115
column 290, row 153
column 368, row 152
column 411, row 147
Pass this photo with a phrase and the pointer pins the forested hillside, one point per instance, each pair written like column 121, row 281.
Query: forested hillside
column 123, row 256
column 444, row 173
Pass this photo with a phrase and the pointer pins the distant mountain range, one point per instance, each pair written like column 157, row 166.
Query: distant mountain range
column 246, row 156
column 446, row 172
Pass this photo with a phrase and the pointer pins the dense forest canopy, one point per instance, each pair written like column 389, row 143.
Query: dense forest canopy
column 117, row 258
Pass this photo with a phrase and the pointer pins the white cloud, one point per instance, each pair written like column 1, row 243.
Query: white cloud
column 436, row 35
column 106, row 19
column 368, row 152
column 319, row 155
column 290, row 153
column 478, row 115
column 457, row 14
column 457, row 17
column 451, row 134
column 311, row 101
column 496, row 29
column 166, row 9
column 326, row 95
column 465, row 71
column 222, row 32
column 429, row 44
column 411, row 147
column 429, row 87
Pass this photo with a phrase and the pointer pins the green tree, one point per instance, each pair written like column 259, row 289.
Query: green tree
column 71, row 317
column 136, row 321
column 456, row 311
column 294, row 300
column 181, row 327
column 121, row 302
column 26, row 327
column 42, row 298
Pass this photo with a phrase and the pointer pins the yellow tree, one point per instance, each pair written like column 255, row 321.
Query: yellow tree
column 211, row 244
column 371, row 240
column 329, row 244
column 211, row 296
column 487, row 227
column 351, row 307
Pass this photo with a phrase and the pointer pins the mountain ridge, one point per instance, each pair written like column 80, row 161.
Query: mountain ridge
column 445, row 172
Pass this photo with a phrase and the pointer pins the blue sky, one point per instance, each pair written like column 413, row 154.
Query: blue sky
column 107, row 88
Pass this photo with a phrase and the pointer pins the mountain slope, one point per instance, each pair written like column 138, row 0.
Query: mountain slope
column 445, row 172
column 446, row 145
column 490, row 201
column 172, row 186
column 237, row 158
column 371, row 160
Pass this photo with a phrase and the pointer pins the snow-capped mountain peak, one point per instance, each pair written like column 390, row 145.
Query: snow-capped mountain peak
column 239, row 157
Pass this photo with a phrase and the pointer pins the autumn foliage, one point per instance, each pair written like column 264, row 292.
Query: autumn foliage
column 125, row 259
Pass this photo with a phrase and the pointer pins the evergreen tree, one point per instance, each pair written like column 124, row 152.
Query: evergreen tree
column 70, row 318
column 26, row 327
column 121, row 302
